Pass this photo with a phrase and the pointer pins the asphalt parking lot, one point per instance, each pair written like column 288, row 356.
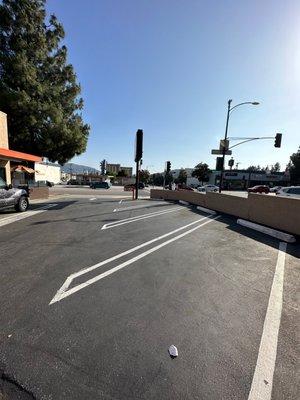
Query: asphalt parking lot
column 94, row 290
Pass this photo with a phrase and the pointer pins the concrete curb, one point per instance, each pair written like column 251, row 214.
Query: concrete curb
column 268, row 231
column 206, row 210
column 185, row 203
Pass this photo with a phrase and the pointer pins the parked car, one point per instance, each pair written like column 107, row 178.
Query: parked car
column 12, row 197
column 99, row 185
column 291, row 191
column 188, row 188
column 259, row 189
column 131, row 186
column 275, row 189
column 208, row 188
column 73, row 182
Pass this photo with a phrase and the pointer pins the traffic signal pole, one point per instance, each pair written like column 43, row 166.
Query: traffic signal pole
column 137, row 175
column 137, row 158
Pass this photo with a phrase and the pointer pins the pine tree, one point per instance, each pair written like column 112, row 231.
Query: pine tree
column 38, row 88
column 201, row 172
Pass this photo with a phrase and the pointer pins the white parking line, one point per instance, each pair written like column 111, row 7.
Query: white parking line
column 141, row 206
column 137, row 218
column 261, row 388
column 63, row 292
column 27, row 214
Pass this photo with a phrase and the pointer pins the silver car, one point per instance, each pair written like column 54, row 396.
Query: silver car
column 291, row 191
column 12, row 197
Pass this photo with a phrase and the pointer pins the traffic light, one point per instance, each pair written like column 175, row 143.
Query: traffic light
column 138, row 145
column 103, row 167
column 231, row 162
column 168, row 169
column 278, row 138
column 219, row 164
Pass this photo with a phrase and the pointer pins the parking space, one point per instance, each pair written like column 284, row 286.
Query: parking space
column 95, row 291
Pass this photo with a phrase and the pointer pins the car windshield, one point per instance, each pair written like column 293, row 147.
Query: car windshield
column 2, row 183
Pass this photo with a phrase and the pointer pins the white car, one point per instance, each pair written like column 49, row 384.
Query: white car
column 275, row 189
column 291, row 191
column 208, row 188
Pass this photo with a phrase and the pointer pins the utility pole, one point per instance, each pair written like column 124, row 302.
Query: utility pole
column 225, row 142
column 224, row 148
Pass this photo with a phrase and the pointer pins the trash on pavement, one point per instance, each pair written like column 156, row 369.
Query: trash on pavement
column 173, row 351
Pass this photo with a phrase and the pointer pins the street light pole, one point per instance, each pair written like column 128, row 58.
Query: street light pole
column 229, row 109
column 224, row 148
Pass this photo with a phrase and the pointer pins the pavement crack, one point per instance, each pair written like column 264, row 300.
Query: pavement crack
column 10, row 387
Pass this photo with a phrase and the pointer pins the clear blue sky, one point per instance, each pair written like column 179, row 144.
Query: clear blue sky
column 169, row 67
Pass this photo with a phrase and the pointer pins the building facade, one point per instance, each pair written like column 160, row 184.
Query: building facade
column 116, row 168
column 46, row 171
column 242, row 179
column 14, row 165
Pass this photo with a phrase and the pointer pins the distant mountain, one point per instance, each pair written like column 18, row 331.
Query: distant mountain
column 77, row 169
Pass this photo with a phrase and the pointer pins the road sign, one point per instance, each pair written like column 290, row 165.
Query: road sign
column 220, row 152
column 224, row 143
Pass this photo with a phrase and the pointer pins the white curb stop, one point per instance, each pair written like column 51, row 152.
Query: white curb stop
column 268, row 231
column 186, row 203
column 206, row 210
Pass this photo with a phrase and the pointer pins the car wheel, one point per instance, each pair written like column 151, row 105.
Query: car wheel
column 22, row 204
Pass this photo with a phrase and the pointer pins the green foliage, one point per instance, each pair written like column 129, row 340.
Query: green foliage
column 157, row 179
column 111, row 173
column 122, row 174
column 144, row 176
column 169, row 179
column 181, row 177
column 254, row 168
column 38, row 88
column 201, row 172
column 294, row 167
column 275, row 167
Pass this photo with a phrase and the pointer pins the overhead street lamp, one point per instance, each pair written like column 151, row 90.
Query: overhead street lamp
column 229, row 110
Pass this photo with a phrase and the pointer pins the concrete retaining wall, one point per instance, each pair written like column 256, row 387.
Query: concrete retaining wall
column 277, row 212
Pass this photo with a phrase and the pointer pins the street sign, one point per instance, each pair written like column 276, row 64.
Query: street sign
column 220, row 152
column 224, row 143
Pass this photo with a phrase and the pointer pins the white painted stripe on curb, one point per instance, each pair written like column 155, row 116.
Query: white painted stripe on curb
column 62, row 292
column 26, row 214
column 268, row 231
column 261, row 388
column 137, row 218
column 206, row 210
column 186, row 203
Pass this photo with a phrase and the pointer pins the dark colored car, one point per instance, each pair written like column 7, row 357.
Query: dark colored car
column 99, row 185
column 12, row 197
column 259, row 189
column 131, row 186
column 188, row 188
column 73, row 182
